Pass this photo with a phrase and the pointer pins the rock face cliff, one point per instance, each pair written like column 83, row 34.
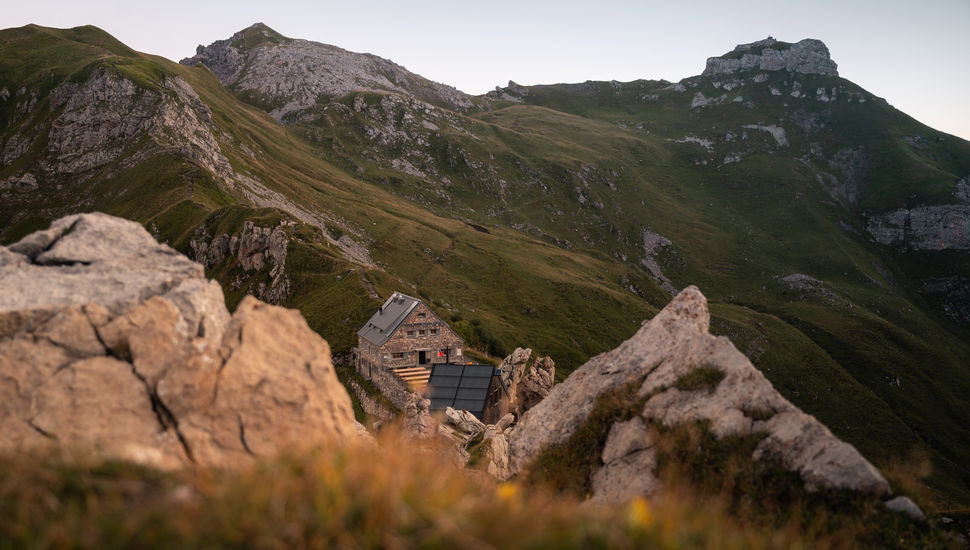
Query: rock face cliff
column 113, row 344
column 290, row 75
column 806, row 56
column 253, row 248
column 96, row 121
column 661, row 359
column 943, row 227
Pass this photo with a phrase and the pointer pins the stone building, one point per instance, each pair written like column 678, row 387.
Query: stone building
column 405, row 338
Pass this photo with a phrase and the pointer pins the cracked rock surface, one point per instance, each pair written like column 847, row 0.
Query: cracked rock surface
column 742, row 402
column 114, row 345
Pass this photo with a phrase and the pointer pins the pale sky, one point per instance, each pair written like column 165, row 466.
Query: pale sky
column 913, row 54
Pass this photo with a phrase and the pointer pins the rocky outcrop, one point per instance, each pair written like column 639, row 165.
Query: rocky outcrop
column 115, row 345
column 291, row 75
column 945, row 227
column 417, row 419
column 463, row 421
column 653, row 244
column 98, row 120
column 736, row 399
column 527, row 382
column 252, row 249
column 807, row 56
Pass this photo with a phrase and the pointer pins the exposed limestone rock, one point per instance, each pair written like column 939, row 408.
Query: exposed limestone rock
column 807, row 56
column 100, row 118
column 776, row 132
column 513, row 367
column 71, row 330
column 115, row 345
column 252, row 249
column 15, row 146
column 103, row 260
column 666, row 349
column 944, row 227
column 98, row 403
column 293, row 74
column 528, row 383
column 464, row 421
column 854, row 167
column 202, row 306
column 497, row 455
column 512, row 92
column 653, row 244
column 536, row 384
column 417, row 418
column 962, row 191
column 905, row 505
column 277, row 389
column 20, row 184
column 628, row 464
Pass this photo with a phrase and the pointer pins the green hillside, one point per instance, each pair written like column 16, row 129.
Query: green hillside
column 523, row 222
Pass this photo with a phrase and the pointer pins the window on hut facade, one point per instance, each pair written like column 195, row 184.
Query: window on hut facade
column 410, row 334
column 421, row 332
column 398, row 355
column 433, row 331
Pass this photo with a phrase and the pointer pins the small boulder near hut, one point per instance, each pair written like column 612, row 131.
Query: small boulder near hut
column 113, row 344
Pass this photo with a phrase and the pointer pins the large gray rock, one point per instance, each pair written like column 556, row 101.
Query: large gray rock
column 671, row 346
column 115, row 345
column 807, row 56
column 92, row 258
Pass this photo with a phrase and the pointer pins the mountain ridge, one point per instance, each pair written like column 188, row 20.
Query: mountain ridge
column 244, row 60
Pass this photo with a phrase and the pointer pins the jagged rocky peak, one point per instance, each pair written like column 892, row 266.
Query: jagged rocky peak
column 291, row 75
column 808, row 56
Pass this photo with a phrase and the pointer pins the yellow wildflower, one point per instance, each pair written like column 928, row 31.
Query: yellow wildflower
column 639, row 514
column 507, row 491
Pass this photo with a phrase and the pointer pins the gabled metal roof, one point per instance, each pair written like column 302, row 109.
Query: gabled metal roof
column 460, row 387
column 388, row 318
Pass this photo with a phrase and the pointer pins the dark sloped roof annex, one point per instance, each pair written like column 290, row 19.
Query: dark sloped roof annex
column 382, row 324
column 460, row 387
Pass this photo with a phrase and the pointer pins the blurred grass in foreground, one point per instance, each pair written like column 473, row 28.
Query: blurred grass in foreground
column 399, row 496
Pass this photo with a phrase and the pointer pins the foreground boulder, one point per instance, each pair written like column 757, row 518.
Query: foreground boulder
column 686, row 375
column 113, row 344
